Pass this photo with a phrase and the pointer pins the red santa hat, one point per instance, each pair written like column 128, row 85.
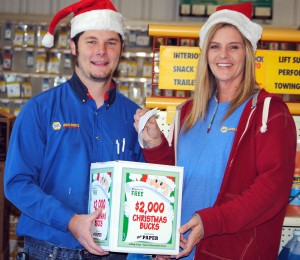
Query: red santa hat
column 88, row 15
column 238, row 15
column 106, row 176
column 171, row 182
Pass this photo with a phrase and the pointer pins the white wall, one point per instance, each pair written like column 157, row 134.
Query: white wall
column 285, row 12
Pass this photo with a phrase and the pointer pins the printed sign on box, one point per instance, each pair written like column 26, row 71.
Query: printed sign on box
column 141, row 206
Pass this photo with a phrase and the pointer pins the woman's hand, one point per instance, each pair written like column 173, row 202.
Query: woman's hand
column 196, row 234
column 151, row 132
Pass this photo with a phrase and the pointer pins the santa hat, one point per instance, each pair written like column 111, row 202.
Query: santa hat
column 238, row 15
column 105, row 175
column 88, row 15
column 170, row 181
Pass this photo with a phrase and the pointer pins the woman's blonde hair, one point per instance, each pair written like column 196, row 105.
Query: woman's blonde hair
column 206, row 84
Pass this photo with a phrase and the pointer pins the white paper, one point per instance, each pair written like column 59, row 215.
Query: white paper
column 142, row 122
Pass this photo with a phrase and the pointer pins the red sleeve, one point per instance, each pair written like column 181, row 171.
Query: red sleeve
column 162, row 154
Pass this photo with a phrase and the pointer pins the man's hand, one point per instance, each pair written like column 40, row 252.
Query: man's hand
column 80, row 226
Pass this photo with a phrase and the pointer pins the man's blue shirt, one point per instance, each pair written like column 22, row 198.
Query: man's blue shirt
column 55, row 138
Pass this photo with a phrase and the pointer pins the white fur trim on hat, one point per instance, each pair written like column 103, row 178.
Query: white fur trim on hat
column 48, row 40
column 252, row 31
column 106, row 176
column 98, row 20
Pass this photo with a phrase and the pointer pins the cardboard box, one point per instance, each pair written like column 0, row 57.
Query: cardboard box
column 141, row 206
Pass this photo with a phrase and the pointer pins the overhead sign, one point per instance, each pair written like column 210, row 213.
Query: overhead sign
column 276, row 71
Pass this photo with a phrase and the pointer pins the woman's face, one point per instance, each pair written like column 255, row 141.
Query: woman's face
column 226, row 56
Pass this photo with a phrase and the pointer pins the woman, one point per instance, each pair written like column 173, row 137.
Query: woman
column 237, row 144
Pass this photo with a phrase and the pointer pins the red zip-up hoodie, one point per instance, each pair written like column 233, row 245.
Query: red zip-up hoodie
column 246, row 220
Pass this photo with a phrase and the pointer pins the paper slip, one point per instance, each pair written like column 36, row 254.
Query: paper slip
column 142, row 122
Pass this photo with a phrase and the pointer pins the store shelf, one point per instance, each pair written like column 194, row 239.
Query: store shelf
column 163, row 102
column 292, row 217
column 289, row 225
column 133, row 79
column 269, row 34
column 54, row 50
column 34, row 75
column 291, row 221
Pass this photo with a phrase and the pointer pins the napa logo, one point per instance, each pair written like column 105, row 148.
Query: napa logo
column 56, row 125
column 225, row 129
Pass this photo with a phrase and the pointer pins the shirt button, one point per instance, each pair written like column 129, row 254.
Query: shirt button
column 97, row 138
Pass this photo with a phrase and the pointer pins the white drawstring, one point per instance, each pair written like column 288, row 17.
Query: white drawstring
column 265, row 115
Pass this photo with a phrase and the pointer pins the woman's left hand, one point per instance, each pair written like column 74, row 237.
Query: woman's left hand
column 196, row 234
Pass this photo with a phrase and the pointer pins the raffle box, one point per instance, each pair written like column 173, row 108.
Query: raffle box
column 141, row 205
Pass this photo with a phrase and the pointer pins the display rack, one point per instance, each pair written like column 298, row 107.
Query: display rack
column 27, row 68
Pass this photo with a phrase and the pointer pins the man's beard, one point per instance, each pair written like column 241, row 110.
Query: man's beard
column 95, row 78
column 100, row 79
column 161, row 190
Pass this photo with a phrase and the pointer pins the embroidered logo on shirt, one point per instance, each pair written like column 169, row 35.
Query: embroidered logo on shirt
column 56, row 125
column 70, row 125
column 225, row 129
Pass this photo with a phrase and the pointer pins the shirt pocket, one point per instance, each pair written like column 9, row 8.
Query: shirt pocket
column 121, row 151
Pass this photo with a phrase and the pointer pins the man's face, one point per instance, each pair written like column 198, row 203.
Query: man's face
column 98, row 53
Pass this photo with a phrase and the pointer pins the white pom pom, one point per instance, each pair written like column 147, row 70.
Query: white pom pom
column 48, row 40
column 263, row 129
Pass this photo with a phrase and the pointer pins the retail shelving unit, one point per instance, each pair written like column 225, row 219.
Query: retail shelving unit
column 27, row 68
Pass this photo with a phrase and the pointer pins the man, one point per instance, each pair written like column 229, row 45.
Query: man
column 60, row 132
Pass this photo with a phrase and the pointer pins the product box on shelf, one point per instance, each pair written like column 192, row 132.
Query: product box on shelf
column 141, row 206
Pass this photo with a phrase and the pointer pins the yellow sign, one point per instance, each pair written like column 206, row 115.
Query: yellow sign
column 177, row 67
column 276, row 71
